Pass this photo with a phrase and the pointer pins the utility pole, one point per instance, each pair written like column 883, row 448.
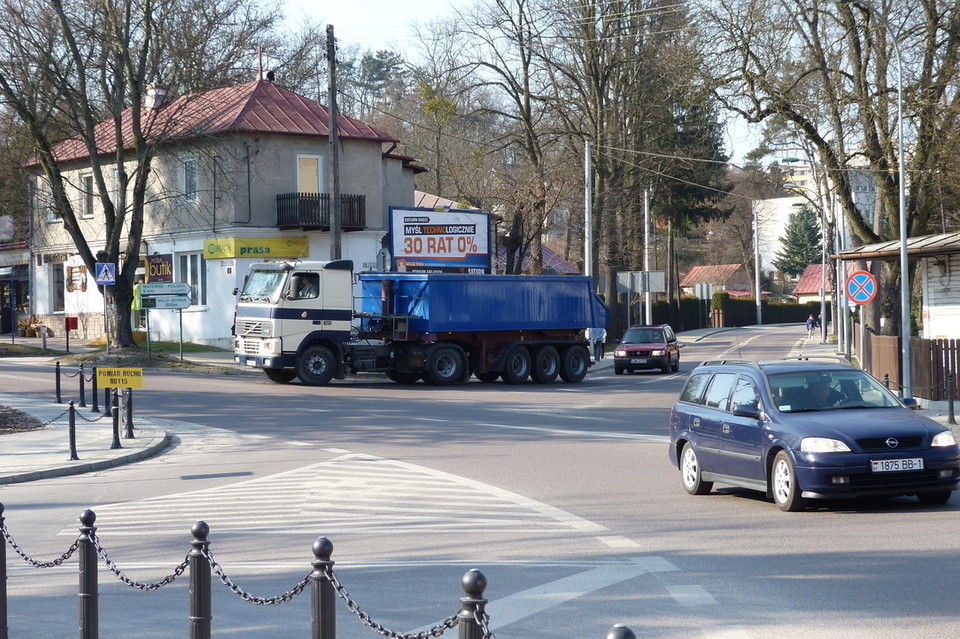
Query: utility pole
column 588, row 208
column 334, row 138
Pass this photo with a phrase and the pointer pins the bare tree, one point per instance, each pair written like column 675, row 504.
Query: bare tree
column 65, row 67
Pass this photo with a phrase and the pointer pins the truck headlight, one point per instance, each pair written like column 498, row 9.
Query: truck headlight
column 269, row 347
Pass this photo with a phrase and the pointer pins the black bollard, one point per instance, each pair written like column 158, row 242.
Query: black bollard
column 59, row 398
column 129, row 405
column 116, row 420
column 951, row 395
column 83, row 394
column 472, row 615
column 620, row 631
column 106, row 403
column 4, row 633
column 323, row 599
column 73, row 432
column 93, row 391
column 886, row 380
column 201, row 610
column 89, row 613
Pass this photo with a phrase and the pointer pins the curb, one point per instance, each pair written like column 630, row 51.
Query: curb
column 103, row 464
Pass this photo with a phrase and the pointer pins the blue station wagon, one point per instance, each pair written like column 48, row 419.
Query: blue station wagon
column 799, row 430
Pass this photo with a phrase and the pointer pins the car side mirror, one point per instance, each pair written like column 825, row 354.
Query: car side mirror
column 747, row 410
column 910, row 403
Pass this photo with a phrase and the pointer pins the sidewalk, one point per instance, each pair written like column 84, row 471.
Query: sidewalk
column 43, row 454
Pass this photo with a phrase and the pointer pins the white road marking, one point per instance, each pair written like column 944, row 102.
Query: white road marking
column 616, row 541
column 691, row 596
column 582, row 433
column 352, row 493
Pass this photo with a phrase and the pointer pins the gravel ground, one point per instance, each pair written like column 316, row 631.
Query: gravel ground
column 15, row 421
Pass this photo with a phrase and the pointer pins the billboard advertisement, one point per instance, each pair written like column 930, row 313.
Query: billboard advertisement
column 432, row 241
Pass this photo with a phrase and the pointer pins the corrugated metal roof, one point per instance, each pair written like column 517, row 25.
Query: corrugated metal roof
column 255, row 107
column 942, row 244
column 719, row 274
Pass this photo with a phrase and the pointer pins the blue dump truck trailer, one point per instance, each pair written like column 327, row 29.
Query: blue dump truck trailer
column 299, row 320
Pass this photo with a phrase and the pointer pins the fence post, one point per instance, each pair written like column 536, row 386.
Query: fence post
column 73, row 432
column 951, row 395
column 93, row 390
column 116, row 420
column 471, row 617
column 620, row 631
column 59, row 398
column 3, row 581
column 89, row 613
column 322, row 597
column 106, row 402
column 83, row 393
column 129, row 405
column 200, row 591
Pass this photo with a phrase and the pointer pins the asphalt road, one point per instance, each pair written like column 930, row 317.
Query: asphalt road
column 562, row 495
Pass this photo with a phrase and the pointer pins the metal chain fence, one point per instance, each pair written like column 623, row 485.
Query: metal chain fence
column 260, row 601
column 33, row 562
column 179, row 570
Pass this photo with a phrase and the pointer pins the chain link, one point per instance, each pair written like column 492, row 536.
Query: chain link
column 91, row 421
column 365, row 619
column 483, row 620
column 38, row 564
column 260, row 601
column 68, row 375
column 135, row 584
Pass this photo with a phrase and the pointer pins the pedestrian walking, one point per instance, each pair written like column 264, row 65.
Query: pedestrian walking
column 811, row 326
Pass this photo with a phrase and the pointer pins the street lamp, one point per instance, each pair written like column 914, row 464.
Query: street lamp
column 904, row 259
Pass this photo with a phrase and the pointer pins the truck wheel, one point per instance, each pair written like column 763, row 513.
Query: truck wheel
column 576, row 360
column 516, row 365
column 316, row 366
column 489, row 376
column 546, row 365
column 403, row 377
column 280, row 375
column 445, row 366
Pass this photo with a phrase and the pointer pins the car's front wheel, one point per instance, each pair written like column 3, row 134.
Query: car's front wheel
column 934, row 498
column 690, row 472
column 783, row 478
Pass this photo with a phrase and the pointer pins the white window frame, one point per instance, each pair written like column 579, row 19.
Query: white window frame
column 321, row 174
column 190, row 179
column 192, row 269
column 87, row 198
column 43, row 202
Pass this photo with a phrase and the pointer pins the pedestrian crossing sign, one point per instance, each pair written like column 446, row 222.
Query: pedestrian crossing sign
column 106, row 273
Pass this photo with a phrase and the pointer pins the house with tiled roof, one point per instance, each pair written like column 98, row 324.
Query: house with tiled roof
column 808, row 286
column 241, row 173
column 732, row 278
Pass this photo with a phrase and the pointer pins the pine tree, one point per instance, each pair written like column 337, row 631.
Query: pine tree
column 801, row 243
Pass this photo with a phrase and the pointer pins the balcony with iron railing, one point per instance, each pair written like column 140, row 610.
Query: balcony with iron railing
column 311, row 211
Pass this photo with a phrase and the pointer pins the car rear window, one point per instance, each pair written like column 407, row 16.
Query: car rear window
column 719, row 392
column 693, row 391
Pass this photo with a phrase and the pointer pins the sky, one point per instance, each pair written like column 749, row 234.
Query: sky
column 376, row 24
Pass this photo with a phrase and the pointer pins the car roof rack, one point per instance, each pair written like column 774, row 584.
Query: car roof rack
column 721, row 362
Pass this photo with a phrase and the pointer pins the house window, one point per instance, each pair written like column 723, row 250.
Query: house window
column 191, row 268
column 59, row 286
column 190, row 180
column 308, row 174
column 43, row 201
column 86, row 195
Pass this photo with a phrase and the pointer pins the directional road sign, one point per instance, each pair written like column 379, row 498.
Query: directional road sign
column 165, row 302
column 861, row 287
column 153, row 289
column 106, row 273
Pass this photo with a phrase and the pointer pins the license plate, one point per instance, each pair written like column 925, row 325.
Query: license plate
column 636, row 360
column 895, row 465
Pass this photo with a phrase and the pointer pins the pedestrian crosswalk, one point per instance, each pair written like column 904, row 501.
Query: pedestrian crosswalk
column 350, row 493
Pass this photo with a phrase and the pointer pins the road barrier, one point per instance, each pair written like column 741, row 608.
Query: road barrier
column 325, row 587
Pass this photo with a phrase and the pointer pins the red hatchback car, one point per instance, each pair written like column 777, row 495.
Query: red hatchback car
column 645, row 347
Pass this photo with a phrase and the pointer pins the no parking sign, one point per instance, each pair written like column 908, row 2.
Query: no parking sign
column 861, row 287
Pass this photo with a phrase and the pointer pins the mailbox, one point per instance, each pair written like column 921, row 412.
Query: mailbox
column 72, row 323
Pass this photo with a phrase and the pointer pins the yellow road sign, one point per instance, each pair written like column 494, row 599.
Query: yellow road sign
column 120, row 377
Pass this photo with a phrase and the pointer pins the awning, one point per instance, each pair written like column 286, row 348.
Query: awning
column 923, row 246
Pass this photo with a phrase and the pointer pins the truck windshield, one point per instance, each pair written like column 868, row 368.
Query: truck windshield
column 263, row 286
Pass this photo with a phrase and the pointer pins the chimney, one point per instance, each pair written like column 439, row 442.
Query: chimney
column 156, row 96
